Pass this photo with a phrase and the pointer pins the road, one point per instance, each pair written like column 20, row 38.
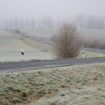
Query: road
column 42, row 40
column 95, row 50
column 48, row 41
column 33, row 65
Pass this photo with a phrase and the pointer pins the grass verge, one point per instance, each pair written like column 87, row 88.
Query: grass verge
column 90, row 54
column 75, row 85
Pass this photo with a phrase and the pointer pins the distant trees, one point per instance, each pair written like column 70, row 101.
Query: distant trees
column 32, row 23
column 99, row 44
column 94, row 22
column 90, row 22
column 94, row 27
column 66, row 42
column 83, row 22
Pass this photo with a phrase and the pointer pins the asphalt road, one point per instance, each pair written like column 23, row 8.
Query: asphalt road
column 33, row 65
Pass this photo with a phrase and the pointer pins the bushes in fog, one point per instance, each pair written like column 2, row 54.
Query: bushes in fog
column 94, row 44
column 66, row 42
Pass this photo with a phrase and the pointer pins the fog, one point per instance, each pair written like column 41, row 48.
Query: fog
column 42, row 13
column 57, row 9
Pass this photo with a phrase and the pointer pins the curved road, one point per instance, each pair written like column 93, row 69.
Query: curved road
column 33, row 65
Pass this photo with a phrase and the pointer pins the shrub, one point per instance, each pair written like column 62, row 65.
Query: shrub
column 66, row 42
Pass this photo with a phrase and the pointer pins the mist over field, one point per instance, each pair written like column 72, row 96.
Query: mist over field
column 52, row 35
column 53, row 8
column 29, row 25
column 26, row 12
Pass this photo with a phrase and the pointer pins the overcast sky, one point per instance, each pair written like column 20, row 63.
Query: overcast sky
column 53, row 8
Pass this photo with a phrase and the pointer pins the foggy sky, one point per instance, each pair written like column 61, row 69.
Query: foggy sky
column 52, row 8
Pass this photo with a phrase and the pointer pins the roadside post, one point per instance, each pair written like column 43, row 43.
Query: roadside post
column 83, row 54
column 22, row 52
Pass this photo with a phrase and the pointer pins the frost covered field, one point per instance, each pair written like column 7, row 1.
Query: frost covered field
column 11, row 46
column 75, row 85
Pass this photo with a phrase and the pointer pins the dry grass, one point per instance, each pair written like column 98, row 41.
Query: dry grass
column 89, row 54
column 76, row 85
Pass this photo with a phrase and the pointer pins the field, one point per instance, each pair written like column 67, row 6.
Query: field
column 75, row 85
column 89, row 54
column 41, row 33
column 11, row 45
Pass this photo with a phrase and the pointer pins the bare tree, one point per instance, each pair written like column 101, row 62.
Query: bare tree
column 66, row 42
